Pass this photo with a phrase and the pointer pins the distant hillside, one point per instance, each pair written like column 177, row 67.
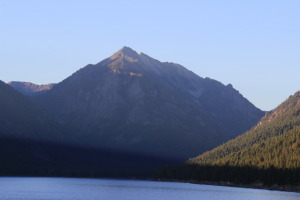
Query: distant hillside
column 274, row 142
column 268, row 153
column 134, row 103
column 21, row 118
column 30, row 89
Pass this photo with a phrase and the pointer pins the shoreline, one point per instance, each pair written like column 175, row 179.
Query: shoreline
column 283, row 188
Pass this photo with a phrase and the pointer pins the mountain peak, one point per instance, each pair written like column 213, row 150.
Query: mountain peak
column 126, row 52
column 126, row 49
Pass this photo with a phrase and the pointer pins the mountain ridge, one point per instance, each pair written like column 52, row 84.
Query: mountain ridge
column 30, row 89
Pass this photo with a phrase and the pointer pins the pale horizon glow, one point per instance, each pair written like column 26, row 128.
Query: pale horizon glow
column 253, row 45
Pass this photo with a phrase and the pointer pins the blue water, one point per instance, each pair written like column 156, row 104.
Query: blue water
column 109, row 189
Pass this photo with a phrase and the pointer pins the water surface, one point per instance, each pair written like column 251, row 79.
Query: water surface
column 110, row 189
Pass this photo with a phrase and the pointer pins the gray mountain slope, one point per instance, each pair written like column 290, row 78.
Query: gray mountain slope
column 134, row 103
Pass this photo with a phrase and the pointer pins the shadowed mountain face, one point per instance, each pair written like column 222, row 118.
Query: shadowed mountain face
column 273, row 143
column 21, row 118
column 30, row 89
column 33, row 144
column 134, row 103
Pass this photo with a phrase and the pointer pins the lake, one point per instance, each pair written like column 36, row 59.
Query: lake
column 110, row 189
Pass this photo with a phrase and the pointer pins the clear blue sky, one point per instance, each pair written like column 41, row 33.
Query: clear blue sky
column 252, row 44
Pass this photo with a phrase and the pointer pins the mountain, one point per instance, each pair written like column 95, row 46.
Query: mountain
column 33, row 144
column 274, row 142
column 30, row 89
column 21, row 118
column 269, row 153
column 131, row 102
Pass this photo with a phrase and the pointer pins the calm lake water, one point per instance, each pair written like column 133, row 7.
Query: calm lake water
column 108, row 189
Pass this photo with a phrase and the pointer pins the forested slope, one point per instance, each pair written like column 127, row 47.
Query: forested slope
column 268, row 154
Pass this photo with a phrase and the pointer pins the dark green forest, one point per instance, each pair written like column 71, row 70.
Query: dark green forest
column 268, row 154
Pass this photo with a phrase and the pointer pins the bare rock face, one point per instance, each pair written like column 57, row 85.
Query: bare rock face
column 134, row 103
column 30, row 89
